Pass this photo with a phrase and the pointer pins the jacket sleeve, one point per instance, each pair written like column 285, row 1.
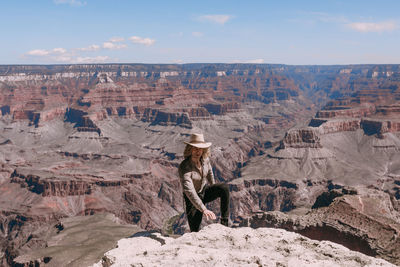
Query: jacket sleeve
column 210, row 174
column 190, row 191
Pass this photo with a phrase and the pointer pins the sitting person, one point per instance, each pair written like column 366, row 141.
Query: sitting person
column 198, row 184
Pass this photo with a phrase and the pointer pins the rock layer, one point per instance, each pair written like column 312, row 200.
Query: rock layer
column 367, row 223
column 136, row 90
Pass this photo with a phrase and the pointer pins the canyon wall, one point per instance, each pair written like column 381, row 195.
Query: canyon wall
column 86, row 139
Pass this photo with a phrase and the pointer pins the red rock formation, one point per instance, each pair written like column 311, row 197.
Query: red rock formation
column 371, row 126
column 299, row 138
column 389, row 110
column 341, row 111
column 50, row 184
column 221, row 109
column 128, row 90
column 336, row 125
column 197, row 113
column 83, row 121
column 166, row 119
column 374, row 110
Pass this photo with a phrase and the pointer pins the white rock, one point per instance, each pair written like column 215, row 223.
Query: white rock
column 217, row 245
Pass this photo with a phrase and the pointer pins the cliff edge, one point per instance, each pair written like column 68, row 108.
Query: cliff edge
column 217, row 245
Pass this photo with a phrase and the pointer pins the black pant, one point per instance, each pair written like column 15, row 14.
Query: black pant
column 209, row 193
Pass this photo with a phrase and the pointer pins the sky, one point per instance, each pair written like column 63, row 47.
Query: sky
column 295, row 32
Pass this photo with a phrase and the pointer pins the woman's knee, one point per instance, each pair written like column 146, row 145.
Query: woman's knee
column 224, row 188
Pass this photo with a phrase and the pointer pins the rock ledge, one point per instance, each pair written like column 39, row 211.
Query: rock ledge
column 217, row 245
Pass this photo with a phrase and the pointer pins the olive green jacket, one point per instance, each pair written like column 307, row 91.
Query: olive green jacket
column 193, row 181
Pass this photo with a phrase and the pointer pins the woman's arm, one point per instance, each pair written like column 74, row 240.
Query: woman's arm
column 210, row 174
column 190, row 192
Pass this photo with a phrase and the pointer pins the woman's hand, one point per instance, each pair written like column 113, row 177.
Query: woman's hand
column 209, row 215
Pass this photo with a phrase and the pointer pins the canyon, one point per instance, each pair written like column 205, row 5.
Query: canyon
column 81, row 140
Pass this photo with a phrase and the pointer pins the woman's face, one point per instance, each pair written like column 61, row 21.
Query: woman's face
column 197, row 152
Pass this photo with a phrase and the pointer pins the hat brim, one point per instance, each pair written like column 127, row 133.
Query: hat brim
column 199, row 145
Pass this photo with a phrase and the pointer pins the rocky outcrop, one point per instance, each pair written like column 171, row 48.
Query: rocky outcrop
column 335, row 125
column 346, row 112
column 15, row 231
column 83, row 122
column 197, row 113
column 370, row 126
column 301, row 138
column 389, row 110
column 51, row 184
column 46, row 115
column 46, row 185
column 379, row 127
column 248, row 196
column 275, row 121
column 372, row 110
column 327, row 197
column 359, row 222
column 217, row 245
column 221, row 108
column 163, row 118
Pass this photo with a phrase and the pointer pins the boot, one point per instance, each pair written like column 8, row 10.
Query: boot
column 225, row 221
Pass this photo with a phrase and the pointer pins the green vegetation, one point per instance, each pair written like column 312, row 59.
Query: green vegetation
column 168, row 225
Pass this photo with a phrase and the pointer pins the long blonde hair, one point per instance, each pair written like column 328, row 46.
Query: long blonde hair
column 188, row 152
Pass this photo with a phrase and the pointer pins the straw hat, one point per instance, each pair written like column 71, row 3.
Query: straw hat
column 197, row 140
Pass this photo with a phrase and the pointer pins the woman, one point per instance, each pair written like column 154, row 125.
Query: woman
column 195, row 172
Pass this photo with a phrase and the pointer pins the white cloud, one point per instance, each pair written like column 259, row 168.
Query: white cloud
column 70, row 2
column 59, row 50
column 93, row 47
column 197, row 34
column 38, row 52
column 373, row 27
column 67, row 58
column 141, row 40
column 113, row 46
column 76, row 55
column 117, row 39
column 43, row 52
column 219, row 19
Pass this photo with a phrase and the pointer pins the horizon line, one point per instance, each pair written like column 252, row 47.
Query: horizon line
column 197, row 63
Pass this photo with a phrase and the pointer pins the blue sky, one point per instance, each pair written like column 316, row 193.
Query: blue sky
column 189, row 31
